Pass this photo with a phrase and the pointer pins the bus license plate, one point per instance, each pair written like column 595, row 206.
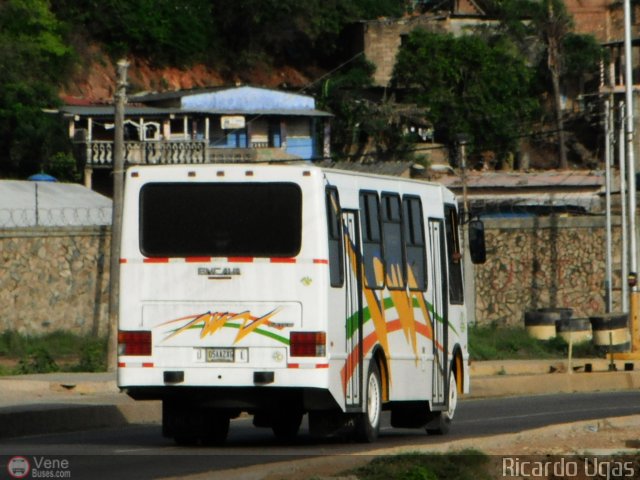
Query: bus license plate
column 220, row 354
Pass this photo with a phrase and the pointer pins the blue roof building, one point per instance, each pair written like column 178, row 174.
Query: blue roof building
column 237, row 124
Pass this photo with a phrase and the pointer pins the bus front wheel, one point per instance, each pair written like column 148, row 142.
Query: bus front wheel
column 368, row 422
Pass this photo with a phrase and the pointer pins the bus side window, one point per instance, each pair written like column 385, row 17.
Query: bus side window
column 395, row 266
column 371, row 239
column 454, row 256
column 334, row 228
column 414, row 242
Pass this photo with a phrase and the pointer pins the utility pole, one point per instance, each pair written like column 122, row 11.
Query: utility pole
column 624, row 263
column 120, row 99
column 608, row 131
column 634, row 297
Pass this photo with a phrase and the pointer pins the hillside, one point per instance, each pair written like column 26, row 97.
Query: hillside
column 64, row 49
column 94, row 82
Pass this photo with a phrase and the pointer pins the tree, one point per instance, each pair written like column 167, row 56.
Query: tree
column 166, row 32
column 563, row 56
column 364, row 126
column 555, row 23
column 291, row 31
column 34, row 58
column 468, row 85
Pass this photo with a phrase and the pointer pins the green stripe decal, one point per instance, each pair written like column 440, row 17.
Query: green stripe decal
column 352, row 321
column 259, row 331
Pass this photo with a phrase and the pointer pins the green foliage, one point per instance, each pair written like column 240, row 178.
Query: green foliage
column 503, row 343
column 32, row 47
column 34, row 59
column 582, row 55
column 532, row 23
column 468, row 85
column 51, row 352
column 359, row 122
column 64, row 167
column 165, row 31
column 464, row 465
column 93, row 357
column 40, row 361
column 13, row 344
column 240, row 33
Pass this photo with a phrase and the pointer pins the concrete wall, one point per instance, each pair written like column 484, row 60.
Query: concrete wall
column 544, row 262
column 54, row 279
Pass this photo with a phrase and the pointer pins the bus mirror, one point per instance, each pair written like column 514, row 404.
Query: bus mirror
column 476, row 242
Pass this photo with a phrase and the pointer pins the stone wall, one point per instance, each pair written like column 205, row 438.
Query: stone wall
column 544, row 262
column 54, row 279
column 58, row 278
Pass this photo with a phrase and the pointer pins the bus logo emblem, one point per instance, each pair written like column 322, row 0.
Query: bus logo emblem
column 219, row 272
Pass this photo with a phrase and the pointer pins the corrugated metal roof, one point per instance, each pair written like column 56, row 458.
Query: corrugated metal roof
column 246, row 99
column 521, row 180
column 243, row 100
column 51, row 204
column 108, row 111
column 393, row 168
column 137, row 111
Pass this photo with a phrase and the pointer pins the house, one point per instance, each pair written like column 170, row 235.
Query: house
column 519, row 194
column 379, row 40
column 200, row 126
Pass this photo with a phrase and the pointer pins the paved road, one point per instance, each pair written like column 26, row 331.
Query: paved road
column 140, row 452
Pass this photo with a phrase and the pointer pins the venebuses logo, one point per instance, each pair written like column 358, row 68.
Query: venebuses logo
column 39, row 467
column 18, row 467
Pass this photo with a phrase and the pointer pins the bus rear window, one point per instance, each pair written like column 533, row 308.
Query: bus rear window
column 220, row 219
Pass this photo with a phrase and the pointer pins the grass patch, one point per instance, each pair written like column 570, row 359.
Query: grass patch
column 465, row 465
column 505, row 343
column 52, row 352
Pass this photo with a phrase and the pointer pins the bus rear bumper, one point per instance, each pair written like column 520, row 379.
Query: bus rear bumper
column 238, row 388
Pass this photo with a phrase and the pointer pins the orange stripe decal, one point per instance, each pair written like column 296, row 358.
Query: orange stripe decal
column 156, row 260
column 240, row 259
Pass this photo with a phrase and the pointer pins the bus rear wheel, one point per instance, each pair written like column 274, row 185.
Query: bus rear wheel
column 367, row 424
column 286, row 425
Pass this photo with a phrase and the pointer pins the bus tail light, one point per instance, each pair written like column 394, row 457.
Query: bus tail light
column 308, row 344
column 134, row 343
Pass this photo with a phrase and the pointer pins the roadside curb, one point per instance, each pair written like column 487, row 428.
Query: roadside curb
column 41, row 419
column 510, row 385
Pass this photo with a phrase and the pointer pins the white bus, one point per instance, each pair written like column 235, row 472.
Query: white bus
column 285, row 290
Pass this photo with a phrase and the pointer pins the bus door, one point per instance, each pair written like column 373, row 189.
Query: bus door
column 438, row 300
column 353, row 306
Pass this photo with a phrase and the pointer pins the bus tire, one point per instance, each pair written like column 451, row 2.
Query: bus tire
column 440, row 423
column 216, row 428
column 367, row 425
column 286, row 425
